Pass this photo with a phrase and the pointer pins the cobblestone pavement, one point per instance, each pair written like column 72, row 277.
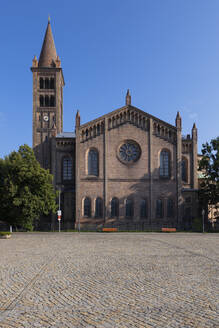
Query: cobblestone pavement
column 109, row 280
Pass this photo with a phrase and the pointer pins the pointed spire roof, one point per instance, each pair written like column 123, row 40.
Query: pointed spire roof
column 178, row 115
column 128, row 98
column 194, row 126
column 48, row 53
column 178, row 121
column 78, row 119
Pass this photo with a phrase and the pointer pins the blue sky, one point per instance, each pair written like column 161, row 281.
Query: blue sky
column 165, row 51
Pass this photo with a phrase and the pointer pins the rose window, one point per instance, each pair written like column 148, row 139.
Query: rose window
column 129, row 152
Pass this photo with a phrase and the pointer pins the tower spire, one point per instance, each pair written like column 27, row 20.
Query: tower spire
column 48, row 53
column 47, row 122
column 78, row 119
column 128, row 98
column 178, row 121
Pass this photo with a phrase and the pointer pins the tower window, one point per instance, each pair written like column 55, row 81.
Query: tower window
column 114, row 207
column 98, row 208
column 87, row 207
column 52, row 83
column 41, row 83
column 47, row 101
column 129, row 208
column 159, row 208
column 93, row 162
column 164, row 164
column 52, row 101
column 67, row 168
column 143, row 208
column 41, row 101
column 46, row 83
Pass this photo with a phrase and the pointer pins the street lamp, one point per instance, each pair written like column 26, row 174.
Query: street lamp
column 79, row 227
column 59, row 212
column 203, row 220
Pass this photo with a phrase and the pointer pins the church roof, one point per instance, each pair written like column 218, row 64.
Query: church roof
column 48, row 53
column 66, row 135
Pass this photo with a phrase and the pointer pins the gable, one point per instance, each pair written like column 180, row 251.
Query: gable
column 127, row 115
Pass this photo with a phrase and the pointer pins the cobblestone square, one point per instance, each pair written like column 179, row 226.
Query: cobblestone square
column 109, row 280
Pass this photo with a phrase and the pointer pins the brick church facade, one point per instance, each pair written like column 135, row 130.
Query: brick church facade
column 126, row 169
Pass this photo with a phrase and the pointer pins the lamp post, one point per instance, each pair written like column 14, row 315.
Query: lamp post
column 59, row 219
column 203, row 220
column 59, row 212
column 79, row 227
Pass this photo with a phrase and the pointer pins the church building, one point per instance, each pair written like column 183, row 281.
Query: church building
column 127, row 169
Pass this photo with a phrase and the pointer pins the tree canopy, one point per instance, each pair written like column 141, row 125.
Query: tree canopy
column 209, row 166
column 26, row 190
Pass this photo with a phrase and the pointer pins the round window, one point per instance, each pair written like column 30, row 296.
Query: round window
column 129, row 152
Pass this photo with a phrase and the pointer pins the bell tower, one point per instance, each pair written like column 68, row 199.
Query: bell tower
column 48, row 82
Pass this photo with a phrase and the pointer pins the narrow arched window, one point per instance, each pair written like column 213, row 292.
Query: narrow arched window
column 170, row 208
column 93, row 165
column 114, row 207
column 67, row 168
column 184, row 170
column 143, row 208
column 98, row 129
column 144, row 124
column 164, row 164
column 47, row 101
column 41, row 83
column 52, row 101
column 52, row 83
column 46, row 83
column 98, row 208
column 129, row 208
column 41, row 101
column 158, row 129
column 159, row 208
column 87, row 207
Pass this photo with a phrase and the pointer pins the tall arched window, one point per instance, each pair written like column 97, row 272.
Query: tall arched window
column 170, row 208
column 87, row 207
column 52, row 83
column 129, row 210
column 98, row 208
column 188, row 212
column 52, row 101
column 47, row 101
column 143, row 208
column 114, row 207
column 93, row 162
column 184, row 170
column 41, row 83
column 159, row 208
column 164, row 164
column 46, row 83
column 41, row 101
column 67, row 168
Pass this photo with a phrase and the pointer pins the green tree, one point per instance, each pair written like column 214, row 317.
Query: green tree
column 26, row 190
column 209, row 166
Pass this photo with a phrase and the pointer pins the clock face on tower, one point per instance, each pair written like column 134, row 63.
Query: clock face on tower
column 46, row 118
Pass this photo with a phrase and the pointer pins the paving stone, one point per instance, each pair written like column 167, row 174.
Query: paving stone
column 113, row 280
